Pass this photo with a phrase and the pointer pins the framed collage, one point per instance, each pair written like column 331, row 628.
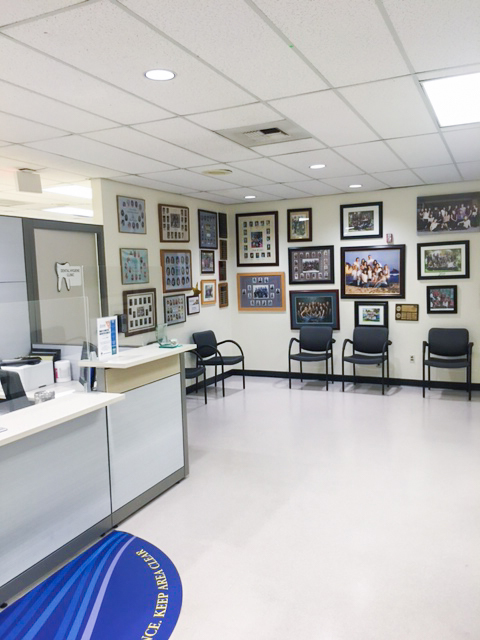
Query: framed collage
column 131, row 215
column 257, row 239
column 261, row 291
column 207, row 229
column 134, row 264
column 312, row 308
column 174, row 310
column 140, row 309
column 174, row 223
column 311, row 265
column 176, row 270
column 445, row 260
column 373, row 272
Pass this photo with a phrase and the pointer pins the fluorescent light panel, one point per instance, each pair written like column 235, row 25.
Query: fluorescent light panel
column 73, row 190
column 455, row 100
column 71, row 211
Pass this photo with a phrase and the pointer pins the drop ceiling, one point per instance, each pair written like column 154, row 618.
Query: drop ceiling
column 74, row 102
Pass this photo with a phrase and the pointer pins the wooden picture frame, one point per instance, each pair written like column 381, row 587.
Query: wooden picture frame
column 407, row 312
column 193, row 305
column 176, row 270
column 448, row 213
column 299, row 225
column 174, row 309
column 174, row 223
column 140, row 309
column 131, row 215
column 208, row 289
column 207, row 261
column 207, row 229
column 443, row 260
column 311, row 265
column 257, row 239
column 442, row 299
column 262, row 292
column 314, row 308
column 222, row 294
column 371, row 314
column 359, row 221
column 373, row 271
column 134, row 266
column 223, row 244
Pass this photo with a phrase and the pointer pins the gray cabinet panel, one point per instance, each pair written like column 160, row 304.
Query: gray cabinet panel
column 14, row 322
column 12, row 260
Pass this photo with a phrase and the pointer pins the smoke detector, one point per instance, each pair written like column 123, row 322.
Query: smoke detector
column 265, row 133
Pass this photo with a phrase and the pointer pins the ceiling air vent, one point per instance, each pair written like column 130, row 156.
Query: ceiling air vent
column 265, row 133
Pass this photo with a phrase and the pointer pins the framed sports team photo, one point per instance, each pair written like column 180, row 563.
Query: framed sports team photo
column 299, row 225
column 208, row 291
column 371, row 314
column 193, row 305
column 358, row 221
column 174, row 309
column 448, row 213
column 140, row 309
column 176, row 270
column 207, row 229
column 311, row 265
column 131, row 215
column 261, row 291
column 373, row 272
column 174, row 223
column 445, row 260
column 257, row 239
column 442, row 299
column 312, row 308
column 207, row 261
column 134, row 264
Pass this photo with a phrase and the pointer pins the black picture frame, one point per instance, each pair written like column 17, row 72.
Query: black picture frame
column 326, row 315
column 257, row 239
column 174, row 309
column 448, row 213
column 207, row 229
column 442, row 299
column 193, row 305
column 443, row 260
column 174, row 223
column 353, row 261
column 140, row 309
column 207, row 261
column 371, row 313
column 311, row 265
column 299, row 225
column 222, row 225
column 222, row 270
column 361, row 221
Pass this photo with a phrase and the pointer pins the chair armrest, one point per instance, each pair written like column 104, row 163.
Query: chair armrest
column 205, row 358
column 470, row 349
column 385, row 346
column 194, row 352
column 292, row 340
column 345, row 342
column 424, row 348
column 233, row 342
column 333, row 340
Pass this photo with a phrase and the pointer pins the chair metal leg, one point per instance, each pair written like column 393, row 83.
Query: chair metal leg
column 301, row 372
column 223, row 381
column 289, row 373
column 388, row 371
column 326, row 371
column 205, row 384
column 383, row 377
column 333, row 381
column 469, row 381
column 423, row 378
column 215, row 375
column 243, row 372
column 429, row 379
column 354, row 376
column 343, row 374
column 196, row 384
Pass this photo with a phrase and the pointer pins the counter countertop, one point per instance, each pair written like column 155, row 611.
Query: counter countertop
column 136, row 356
column 25, row 422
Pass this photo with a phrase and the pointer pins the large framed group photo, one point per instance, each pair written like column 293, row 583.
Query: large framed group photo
column 445, row 260
column 373, row 272
column 448, row 213
column 314, row 308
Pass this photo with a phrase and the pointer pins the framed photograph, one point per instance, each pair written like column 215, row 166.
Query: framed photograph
column 223, row 250
column 140, row 309
column 207, row 229
column 223, row 294
column 257, row 239
column 131, row 215
column 174, row 309
column 299, row 224
column 193, row 305
column 134, row 266
column 358, row 221
column 311, row 265
column 373, row 272
column 208, row 291
column 371, row 314
column 448, row 212
column 222, row 270
column 406, row 312
column 176, row 270
column 442, row 299
column 261, row 291
column 207, row 261
column 312, row 308
column 174, row 223
column 222, row 225
column 445, row 260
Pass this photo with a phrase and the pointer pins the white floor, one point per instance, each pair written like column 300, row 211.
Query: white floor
column 325, row 516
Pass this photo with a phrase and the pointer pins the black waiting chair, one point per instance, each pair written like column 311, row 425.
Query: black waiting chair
column 315, row 345
column 448, row 349
column 370, row 346
column 207, row 347
column 196, row 372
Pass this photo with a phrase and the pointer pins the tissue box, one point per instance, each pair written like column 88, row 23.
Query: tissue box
column 34, row 375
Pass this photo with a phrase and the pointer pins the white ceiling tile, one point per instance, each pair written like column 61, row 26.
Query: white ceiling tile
column 421, row 151
column 394, row 108
column 9, row 160
column 403, row 178
column 157, row 185
column 215, row 197
column 141, row 143
column 269, row 169
column 326, row 117
column 368, row 183
column 281, row 148
column 80, row 148
column 284, row 191
column 191, row 136
column 464, row 144
column 18, row 130
column 190, row 179
column 3, row 143
column 11, row 12
column 237, row 176
column 314, row 187
column 52, row 78
column 80, row 38
column 371, row 157
column 334, row 164
column 332, row 35
column 211, row 31
column 249, row 114
column 437, row 33
column 439, row 174
column 469, row 170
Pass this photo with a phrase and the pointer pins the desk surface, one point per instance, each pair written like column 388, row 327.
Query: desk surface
column 136, row 356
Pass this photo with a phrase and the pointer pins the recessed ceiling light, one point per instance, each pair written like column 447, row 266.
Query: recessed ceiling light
column 74, row 190
column 455, row 100
column 159, row 74
column 355, row 186
column 250, row 197
column 317, row 166
column 71, row 211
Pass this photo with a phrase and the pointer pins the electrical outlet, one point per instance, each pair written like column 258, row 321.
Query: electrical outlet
column 412, row 358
